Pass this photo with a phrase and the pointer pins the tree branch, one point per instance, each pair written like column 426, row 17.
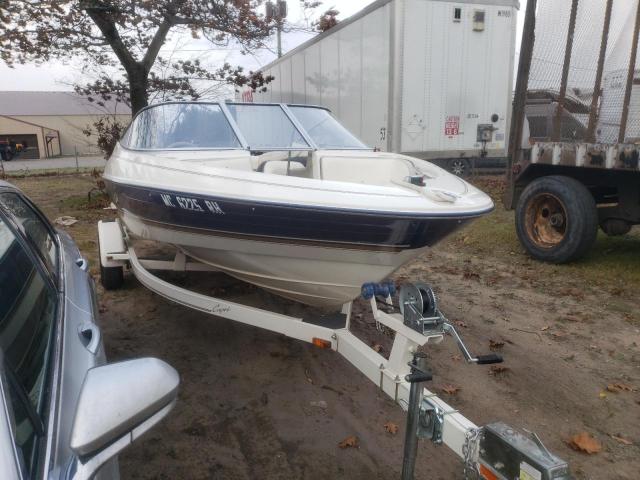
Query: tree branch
column 156, row 44
column 108, row 28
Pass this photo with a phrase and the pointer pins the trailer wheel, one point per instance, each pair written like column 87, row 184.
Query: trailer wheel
column 111, row 278
column 556, row 219
column 459, row 167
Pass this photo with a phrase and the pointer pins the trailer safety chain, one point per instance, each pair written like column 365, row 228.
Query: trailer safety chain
column 470, row 453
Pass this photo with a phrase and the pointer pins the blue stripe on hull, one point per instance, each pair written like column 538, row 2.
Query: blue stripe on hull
column 288, row 222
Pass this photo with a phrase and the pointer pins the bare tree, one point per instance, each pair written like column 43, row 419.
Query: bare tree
column 130, row 34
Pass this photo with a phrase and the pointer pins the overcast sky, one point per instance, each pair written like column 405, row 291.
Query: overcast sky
column 60, row 75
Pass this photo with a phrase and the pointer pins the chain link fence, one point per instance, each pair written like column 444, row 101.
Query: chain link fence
column 584, row 77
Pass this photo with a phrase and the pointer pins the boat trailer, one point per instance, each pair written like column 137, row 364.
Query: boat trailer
column 491, row 452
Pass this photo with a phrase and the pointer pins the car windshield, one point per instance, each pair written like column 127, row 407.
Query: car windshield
column 256, row 127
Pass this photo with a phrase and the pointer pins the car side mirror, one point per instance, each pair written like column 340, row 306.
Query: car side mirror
column 117, row 404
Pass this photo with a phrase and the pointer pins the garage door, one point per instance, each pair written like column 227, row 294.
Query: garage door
column 29, row 144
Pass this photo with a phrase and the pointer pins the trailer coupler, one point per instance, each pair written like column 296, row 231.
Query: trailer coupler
column 493, row 452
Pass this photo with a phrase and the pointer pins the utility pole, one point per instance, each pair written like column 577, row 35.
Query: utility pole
column 277, row 11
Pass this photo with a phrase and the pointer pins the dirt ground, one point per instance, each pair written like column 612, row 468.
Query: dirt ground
column 254, row 404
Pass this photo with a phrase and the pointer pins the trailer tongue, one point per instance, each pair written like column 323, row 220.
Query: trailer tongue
column 492, row 452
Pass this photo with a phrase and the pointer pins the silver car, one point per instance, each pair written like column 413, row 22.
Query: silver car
column 64, row 412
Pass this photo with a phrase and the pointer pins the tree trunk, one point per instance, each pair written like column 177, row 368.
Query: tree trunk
column 138, row 83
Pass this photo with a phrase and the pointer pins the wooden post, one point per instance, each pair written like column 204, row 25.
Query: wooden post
column 557, row 128
column 597, row 87
column 630, row 76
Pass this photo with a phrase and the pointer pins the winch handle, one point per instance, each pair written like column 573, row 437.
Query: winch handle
column 480, row 359
column 489, row 359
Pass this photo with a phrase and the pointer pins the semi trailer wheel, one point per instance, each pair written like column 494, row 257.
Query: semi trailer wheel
column 556, row 219
column 459, row 166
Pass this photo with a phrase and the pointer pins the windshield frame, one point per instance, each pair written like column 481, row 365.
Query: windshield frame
column 312, row 146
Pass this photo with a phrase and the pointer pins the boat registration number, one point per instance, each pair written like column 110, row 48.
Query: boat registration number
column 191, row 204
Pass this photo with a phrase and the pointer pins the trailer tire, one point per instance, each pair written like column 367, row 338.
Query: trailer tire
column 556, row 219
column 111, row 278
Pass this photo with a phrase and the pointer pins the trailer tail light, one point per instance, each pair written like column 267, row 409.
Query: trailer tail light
column 487, row 474
column 321, row 343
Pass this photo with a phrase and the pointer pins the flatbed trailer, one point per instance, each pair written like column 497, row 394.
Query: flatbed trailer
column 563, row 189
column 491, row 452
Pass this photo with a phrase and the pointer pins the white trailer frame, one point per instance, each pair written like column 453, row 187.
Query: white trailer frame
column 445, row 425
column 116, row 250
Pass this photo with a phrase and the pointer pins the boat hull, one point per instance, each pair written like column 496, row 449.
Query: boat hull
column 313, row 275
column 319, row 257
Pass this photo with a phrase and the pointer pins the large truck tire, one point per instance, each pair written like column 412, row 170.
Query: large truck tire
column 556, row 219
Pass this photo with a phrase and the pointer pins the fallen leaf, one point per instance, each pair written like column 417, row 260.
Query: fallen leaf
column 391, row 428
column 456, row 358
column 545, row 328
column 498, row 369
column 450, row 389
column 583, row 442
column 449, row 270
column 461, row 324
column 617, row 291
column 377, row 348
column 469, row 275
column 619, row 387
column 602, row 394
column 350, row 442
column 496, row 344
column 621, row 440
column 572, row 292
column 65, row 220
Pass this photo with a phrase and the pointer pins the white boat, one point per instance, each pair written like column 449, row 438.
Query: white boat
column 281, row 196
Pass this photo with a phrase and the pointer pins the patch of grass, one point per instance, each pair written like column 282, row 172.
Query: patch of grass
column 68, row 195
column 52, row 172
column 96, row 200
column 612, row 264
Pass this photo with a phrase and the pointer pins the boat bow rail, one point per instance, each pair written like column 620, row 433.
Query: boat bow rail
column 492, row 452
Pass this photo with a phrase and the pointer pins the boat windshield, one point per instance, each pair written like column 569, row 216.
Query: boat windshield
column 324, row 130
column 256, row 127
column 266, row 127
column 184, row 126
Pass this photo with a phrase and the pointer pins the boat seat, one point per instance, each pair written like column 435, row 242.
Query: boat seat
column 279, row 167
column 378, row 171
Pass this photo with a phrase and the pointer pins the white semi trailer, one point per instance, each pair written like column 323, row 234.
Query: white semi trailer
column 429, row 78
